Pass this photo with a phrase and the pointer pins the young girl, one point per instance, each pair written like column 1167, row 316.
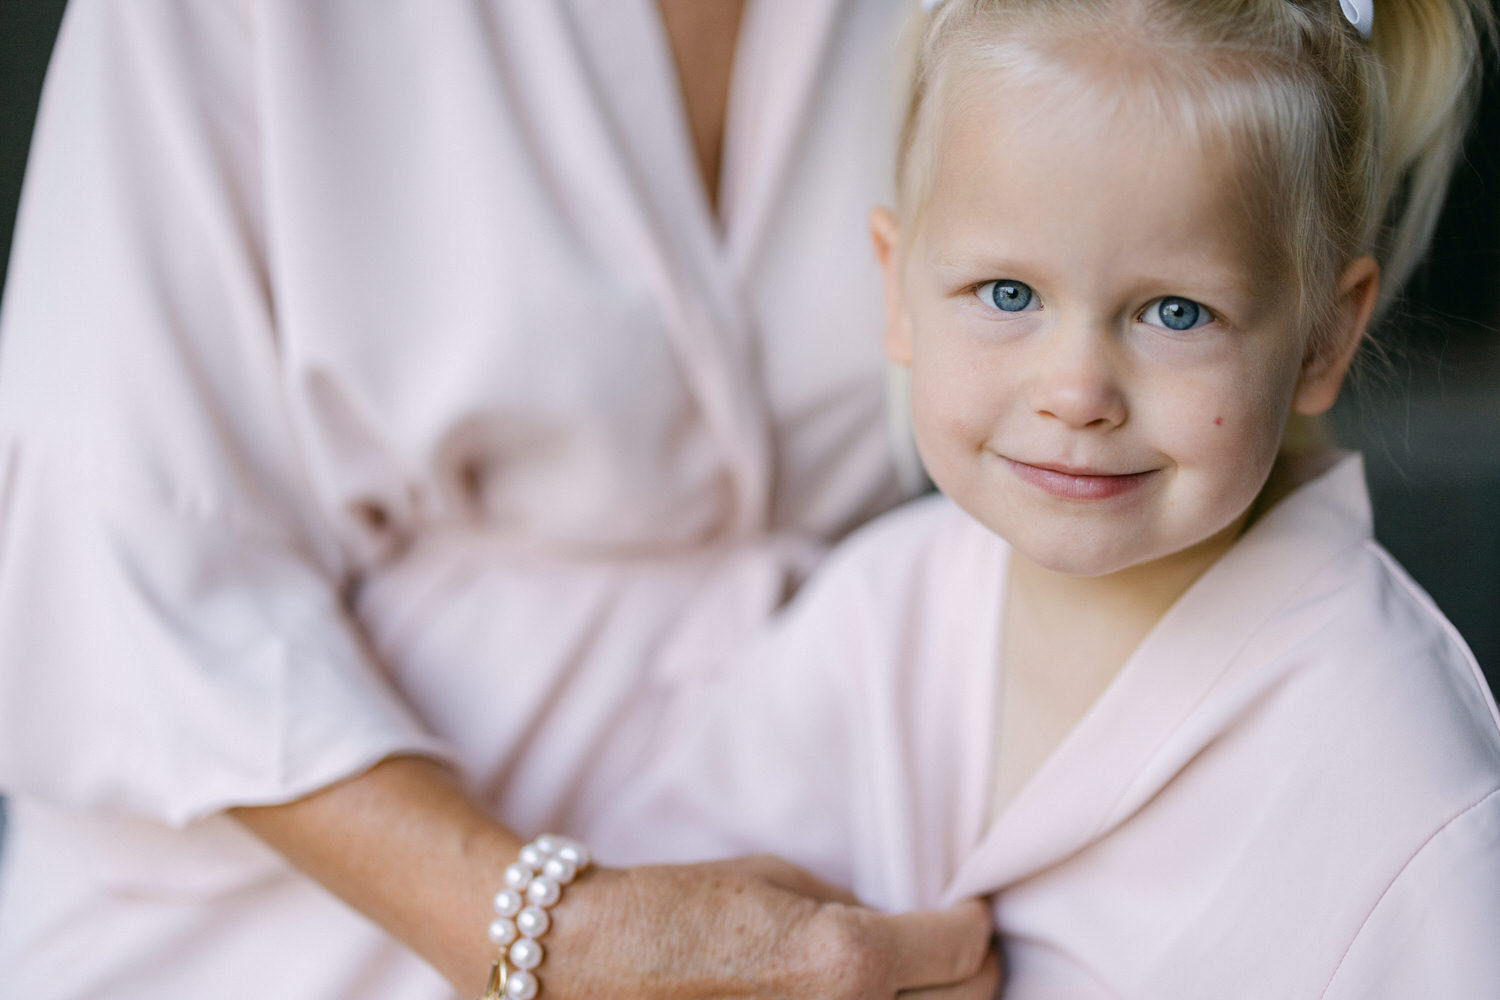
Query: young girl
column 1142, row 672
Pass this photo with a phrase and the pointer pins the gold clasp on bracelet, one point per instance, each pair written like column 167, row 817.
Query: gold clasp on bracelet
column 499, row 972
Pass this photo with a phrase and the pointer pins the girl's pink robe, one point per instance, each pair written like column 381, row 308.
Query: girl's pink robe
column 1291, row 790
column 375, row 379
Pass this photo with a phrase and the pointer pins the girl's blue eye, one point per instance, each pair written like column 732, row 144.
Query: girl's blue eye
column 1007, row 296
column 1175, row 313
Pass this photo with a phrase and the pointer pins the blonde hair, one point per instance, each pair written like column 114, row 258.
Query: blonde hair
column 1348, row 143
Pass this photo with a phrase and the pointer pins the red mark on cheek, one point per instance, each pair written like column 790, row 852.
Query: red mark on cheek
column 1218, row 421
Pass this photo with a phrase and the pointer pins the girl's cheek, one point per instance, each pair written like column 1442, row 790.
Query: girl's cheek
column 1208, row 351
column 1196, row 420
column 1236, row 425
column 949, row 410
column 958, row 370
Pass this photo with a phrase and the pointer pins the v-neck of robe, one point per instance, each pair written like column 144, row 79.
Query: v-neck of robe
column 779, row 58
column 643, row 100
column 1121, row 751
column 661, row 191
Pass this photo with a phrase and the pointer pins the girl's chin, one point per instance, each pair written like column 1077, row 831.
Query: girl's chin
column 1135, row 558
column 1073, row 559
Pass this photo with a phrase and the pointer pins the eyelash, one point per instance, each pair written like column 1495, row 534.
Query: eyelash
column 1157, row 304
column 989, row 300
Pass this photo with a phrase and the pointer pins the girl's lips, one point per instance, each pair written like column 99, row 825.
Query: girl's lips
column 1083, row 484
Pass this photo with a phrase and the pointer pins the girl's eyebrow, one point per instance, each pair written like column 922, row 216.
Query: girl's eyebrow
column 1203, row 259
column 978, row 259
column 1225, row 281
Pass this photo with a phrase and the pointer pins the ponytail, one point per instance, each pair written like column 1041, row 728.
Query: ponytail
column 1429, row 57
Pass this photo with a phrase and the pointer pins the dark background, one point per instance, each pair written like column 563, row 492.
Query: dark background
column 1426, row 413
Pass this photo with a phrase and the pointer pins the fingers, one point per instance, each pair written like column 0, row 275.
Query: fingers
column 984, row 986
column 930, row 948
column 942, row 950
column 756, row 926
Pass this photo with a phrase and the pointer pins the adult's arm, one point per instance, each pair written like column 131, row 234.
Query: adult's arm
column 405, row 846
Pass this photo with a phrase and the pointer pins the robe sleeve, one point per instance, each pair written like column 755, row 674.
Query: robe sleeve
column 1434, row 932
column 759, row 756
column 173, row 635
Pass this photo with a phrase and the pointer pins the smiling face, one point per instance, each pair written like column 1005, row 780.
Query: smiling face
column 1102, row 359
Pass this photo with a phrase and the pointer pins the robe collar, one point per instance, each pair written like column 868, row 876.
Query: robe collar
column 643, row 166
column 1151, row 720
column 779, row 66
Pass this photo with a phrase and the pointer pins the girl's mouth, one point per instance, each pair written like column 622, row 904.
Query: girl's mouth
column 1067, row 483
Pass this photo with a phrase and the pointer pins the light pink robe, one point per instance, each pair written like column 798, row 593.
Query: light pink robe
column 1291, row 790
column 373, row 379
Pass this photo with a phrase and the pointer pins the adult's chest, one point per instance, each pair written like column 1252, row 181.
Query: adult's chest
column 500, row 291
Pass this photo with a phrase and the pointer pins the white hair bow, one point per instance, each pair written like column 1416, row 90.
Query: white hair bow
column 1360, row 13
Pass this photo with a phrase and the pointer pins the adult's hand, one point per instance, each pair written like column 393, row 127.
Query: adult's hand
column 756, row 928
column 404, row 845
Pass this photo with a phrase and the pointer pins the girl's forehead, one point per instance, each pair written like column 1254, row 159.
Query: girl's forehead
column 1072, row 98
column 1091, row 88
column 1115, row 157
column 1000, row 131
column 1030, row 176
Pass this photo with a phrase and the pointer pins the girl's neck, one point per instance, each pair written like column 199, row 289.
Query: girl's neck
column 1065, row 638
column 1118, row 608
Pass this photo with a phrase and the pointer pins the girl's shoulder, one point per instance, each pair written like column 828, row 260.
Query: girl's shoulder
column 1307, row 642
column 930, row 527
column 1379, row 635
column 1352, row 601
column 1312, row 566
column 1358, row 669
column 895, row 594
column 913, row 554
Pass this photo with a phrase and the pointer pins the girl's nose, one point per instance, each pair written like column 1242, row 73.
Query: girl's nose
column 1077, row 380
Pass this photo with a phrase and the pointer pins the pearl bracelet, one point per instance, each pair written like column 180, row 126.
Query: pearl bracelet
column 533, row 885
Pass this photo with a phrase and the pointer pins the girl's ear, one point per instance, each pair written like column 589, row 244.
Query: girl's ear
column 1323, row 370
column 885, row 234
